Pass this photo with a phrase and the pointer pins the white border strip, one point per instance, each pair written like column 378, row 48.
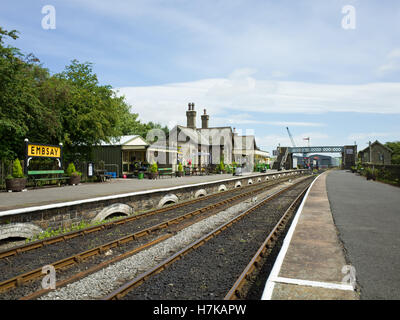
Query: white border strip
column 269, row 287
column 319, row 284
column 78, row 202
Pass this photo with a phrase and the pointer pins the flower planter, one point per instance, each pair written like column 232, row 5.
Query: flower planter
column 16, row 184
column 153, row 175
column 179, row 173
column 74, row 180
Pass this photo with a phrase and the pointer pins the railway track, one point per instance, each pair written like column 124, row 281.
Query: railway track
column 151, row 235
column 207, row 268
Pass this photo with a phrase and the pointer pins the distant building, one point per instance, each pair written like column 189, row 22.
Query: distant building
column 121, row 154
column 379, row 152
column 209, row 145
column 320, row 160
column 198, row 147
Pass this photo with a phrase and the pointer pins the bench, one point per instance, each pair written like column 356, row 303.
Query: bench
column 165, row 172
column 35, row 173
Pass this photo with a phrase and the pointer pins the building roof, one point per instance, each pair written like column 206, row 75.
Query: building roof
column 377, row 142
column 126, row 140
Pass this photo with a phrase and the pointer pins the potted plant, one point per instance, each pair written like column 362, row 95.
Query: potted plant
column 180, row 170
column 153, row 171
column 221, row 167
column 74, row 176
column 370, row 174
column 16, row 181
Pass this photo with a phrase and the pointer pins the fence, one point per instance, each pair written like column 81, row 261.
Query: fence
column 5, row 170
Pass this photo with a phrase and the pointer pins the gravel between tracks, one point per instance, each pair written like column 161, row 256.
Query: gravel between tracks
column 106, row 280
column 208, row 272
column 30, row 260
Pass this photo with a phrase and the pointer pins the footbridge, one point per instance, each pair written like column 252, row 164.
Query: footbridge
column 285, row 155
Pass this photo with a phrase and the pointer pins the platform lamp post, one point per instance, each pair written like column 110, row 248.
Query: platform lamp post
column 61, row 155
column 26, row 156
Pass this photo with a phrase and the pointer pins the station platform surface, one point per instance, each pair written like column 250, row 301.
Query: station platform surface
column 50, row 195
column 343, row 243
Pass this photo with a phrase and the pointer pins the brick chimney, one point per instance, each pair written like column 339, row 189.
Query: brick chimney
column 204, row 120
column 191, row 116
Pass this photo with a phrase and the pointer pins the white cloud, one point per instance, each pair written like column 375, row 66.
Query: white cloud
column 243, row 93
column 392, row 63
column 370, row 135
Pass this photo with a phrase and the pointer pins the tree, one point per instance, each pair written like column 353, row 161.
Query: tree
column 90, row 113
column 21, row 113
column 69, row 107
column 395, row 146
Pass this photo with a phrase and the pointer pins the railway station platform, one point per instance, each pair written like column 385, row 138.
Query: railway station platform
column 51, row 195
column 343, row 243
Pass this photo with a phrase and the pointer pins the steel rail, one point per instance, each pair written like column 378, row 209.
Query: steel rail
column 98, row 267
column 236, row 292
column 77, row 258
column 127, row 287
column 73, row 234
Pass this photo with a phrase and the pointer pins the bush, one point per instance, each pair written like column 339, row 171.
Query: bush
column 71, row 171
column 221, row 166
column 17, row 169
column 180, row 167
column 154, row 168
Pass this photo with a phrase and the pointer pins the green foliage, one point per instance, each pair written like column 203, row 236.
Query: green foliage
column 17, row 169
column 69, row 107
column 48, row 233
column 70, row 170
column 180, row 167
column 395, row 146
column 154, row 167
column 220, row 167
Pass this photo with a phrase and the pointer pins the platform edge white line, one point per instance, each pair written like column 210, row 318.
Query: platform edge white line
column 268, row 289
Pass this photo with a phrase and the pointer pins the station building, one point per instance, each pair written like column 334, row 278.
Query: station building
column 189, row 145
column 379, row 154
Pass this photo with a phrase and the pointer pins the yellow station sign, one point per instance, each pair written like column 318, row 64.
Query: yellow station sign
column 37, row 150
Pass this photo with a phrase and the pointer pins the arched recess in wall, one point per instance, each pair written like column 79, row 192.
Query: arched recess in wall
column 19, row 230
column 222, row 187
column 200, row 193
column 168, row 199
column 117, row 209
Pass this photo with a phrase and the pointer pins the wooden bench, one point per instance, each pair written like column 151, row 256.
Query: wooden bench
column 35, row 173
column 165, row 172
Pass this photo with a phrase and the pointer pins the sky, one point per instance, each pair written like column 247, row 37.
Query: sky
column 328, row 70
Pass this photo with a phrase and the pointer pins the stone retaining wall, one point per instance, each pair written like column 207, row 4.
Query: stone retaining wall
column 34, row 220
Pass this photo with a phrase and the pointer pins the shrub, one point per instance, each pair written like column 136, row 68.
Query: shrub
column 221, row 166
column 17, row 169
column 71, row 171
column 154, row 167
column 180, row 167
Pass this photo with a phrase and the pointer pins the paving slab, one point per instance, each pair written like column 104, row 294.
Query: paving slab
column 44, row 196
column 311, row 261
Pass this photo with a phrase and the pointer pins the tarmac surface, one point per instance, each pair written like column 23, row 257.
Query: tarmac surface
column 367, row 217
column 347, row 227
